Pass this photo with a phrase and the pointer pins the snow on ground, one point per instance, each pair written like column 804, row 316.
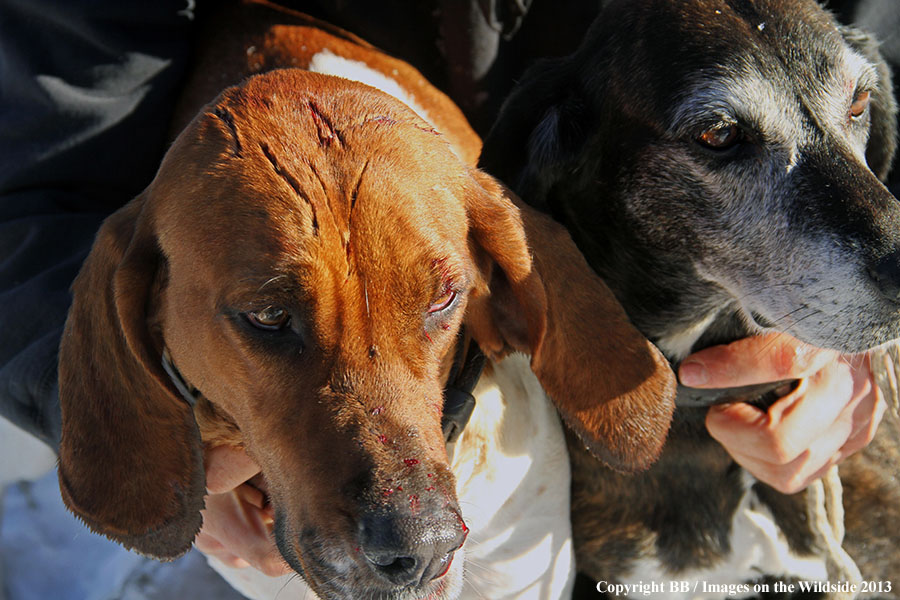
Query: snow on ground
column 46, row 554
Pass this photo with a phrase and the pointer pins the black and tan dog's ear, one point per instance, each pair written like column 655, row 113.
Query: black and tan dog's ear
column 882, row 143
column 130, row 459
column 611, row 385
column 541, row 130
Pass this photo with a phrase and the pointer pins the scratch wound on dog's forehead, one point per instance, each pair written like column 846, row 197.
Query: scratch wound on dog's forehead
column 391, row 121
column 228, row 119
column 383, row 119
column 347, row 235
column 327, row 132
column 442, row 266
column 291, row 182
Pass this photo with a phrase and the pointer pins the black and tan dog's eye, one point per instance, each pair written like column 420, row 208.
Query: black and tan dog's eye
column 270, row 318
column 860, row 105
column 721, row 137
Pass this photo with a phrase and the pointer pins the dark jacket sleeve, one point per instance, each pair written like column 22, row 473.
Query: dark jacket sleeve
column 86, row 92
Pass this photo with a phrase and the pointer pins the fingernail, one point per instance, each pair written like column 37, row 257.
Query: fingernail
column 693, row 373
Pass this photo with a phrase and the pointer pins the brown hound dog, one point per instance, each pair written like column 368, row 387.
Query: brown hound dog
column 306, row 258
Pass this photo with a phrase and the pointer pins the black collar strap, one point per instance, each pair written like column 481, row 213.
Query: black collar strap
column 458, row 399
column 468, row 363
column 187, row 391
column 761, row 394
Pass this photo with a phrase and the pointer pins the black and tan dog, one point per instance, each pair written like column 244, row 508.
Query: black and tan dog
column 718, row 162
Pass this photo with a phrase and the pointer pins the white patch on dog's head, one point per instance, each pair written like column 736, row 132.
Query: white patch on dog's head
column 329, row 63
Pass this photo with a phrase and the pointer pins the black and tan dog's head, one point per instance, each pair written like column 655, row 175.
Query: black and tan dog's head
column 307, row 254
column 718, row 162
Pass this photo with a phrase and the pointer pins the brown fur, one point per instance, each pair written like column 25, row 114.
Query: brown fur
column 336, row 202
column 254, row 36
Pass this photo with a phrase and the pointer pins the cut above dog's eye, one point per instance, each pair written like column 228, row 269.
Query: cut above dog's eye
column 860, row 105
column 444, row 302
column 270, row 318
column 721, row 137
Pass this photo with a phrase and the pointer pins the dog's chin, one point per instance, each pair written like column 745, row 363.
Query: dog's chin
column 450, row 585
column 345, row 578
column 856, row 335
column 848, row 340
column 447, row 587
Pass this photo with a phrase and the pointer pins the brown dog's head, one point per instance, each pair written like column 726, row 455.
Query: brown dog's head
column 307, row 254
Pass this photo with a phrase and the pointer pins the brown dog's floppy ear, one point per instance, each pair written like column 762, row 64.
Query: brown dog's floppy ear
column 882, row 143
column 611, row 385
column 130, row 459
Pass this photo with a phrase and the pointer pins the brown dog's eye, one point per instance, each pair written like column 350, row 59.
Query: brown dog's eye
column 860, row 105
column 442, row 303
column 721, row 137
column 270, row 318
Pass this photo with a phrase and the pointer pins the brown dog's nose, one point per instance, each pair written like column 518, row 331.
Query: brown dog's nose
column 410, row 550
column 885, row 272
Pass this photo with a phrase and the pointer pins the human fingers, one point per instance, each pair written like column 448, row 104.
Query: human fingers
column 789, row 453
column 760, row 359
column 211, row 547
column 866, row 418
column 791, row 425
column 241, row 530
column 227, row 467
column 795, row 475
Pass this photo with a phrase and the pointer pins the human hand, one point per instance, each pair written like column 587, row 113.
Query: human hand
column 832, row 413
column 237, row 524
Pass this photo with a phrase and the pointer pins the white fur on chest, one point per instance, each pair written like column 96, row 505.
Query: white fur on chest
column 512, row 481
column 758, row 547
column 513, row 478
column 678, row 345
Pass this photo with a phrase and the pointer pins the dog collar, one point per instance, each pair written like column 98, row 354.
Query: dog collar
column 187, row 391
column 468, row 363
column 762, row 395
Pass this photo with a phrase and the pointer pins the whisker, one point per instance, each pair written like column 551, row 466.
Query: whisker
column 270, row 281
column 471, row 584
column 784, row 317
column 287, row 583
column 366, row 293
column 478, row 565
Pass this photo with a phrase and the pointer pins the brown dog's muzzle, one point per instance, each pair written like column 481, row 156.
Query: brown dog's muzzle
column 369, row 505
column 408, row 544
column 401, row 542
column 398, row 547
